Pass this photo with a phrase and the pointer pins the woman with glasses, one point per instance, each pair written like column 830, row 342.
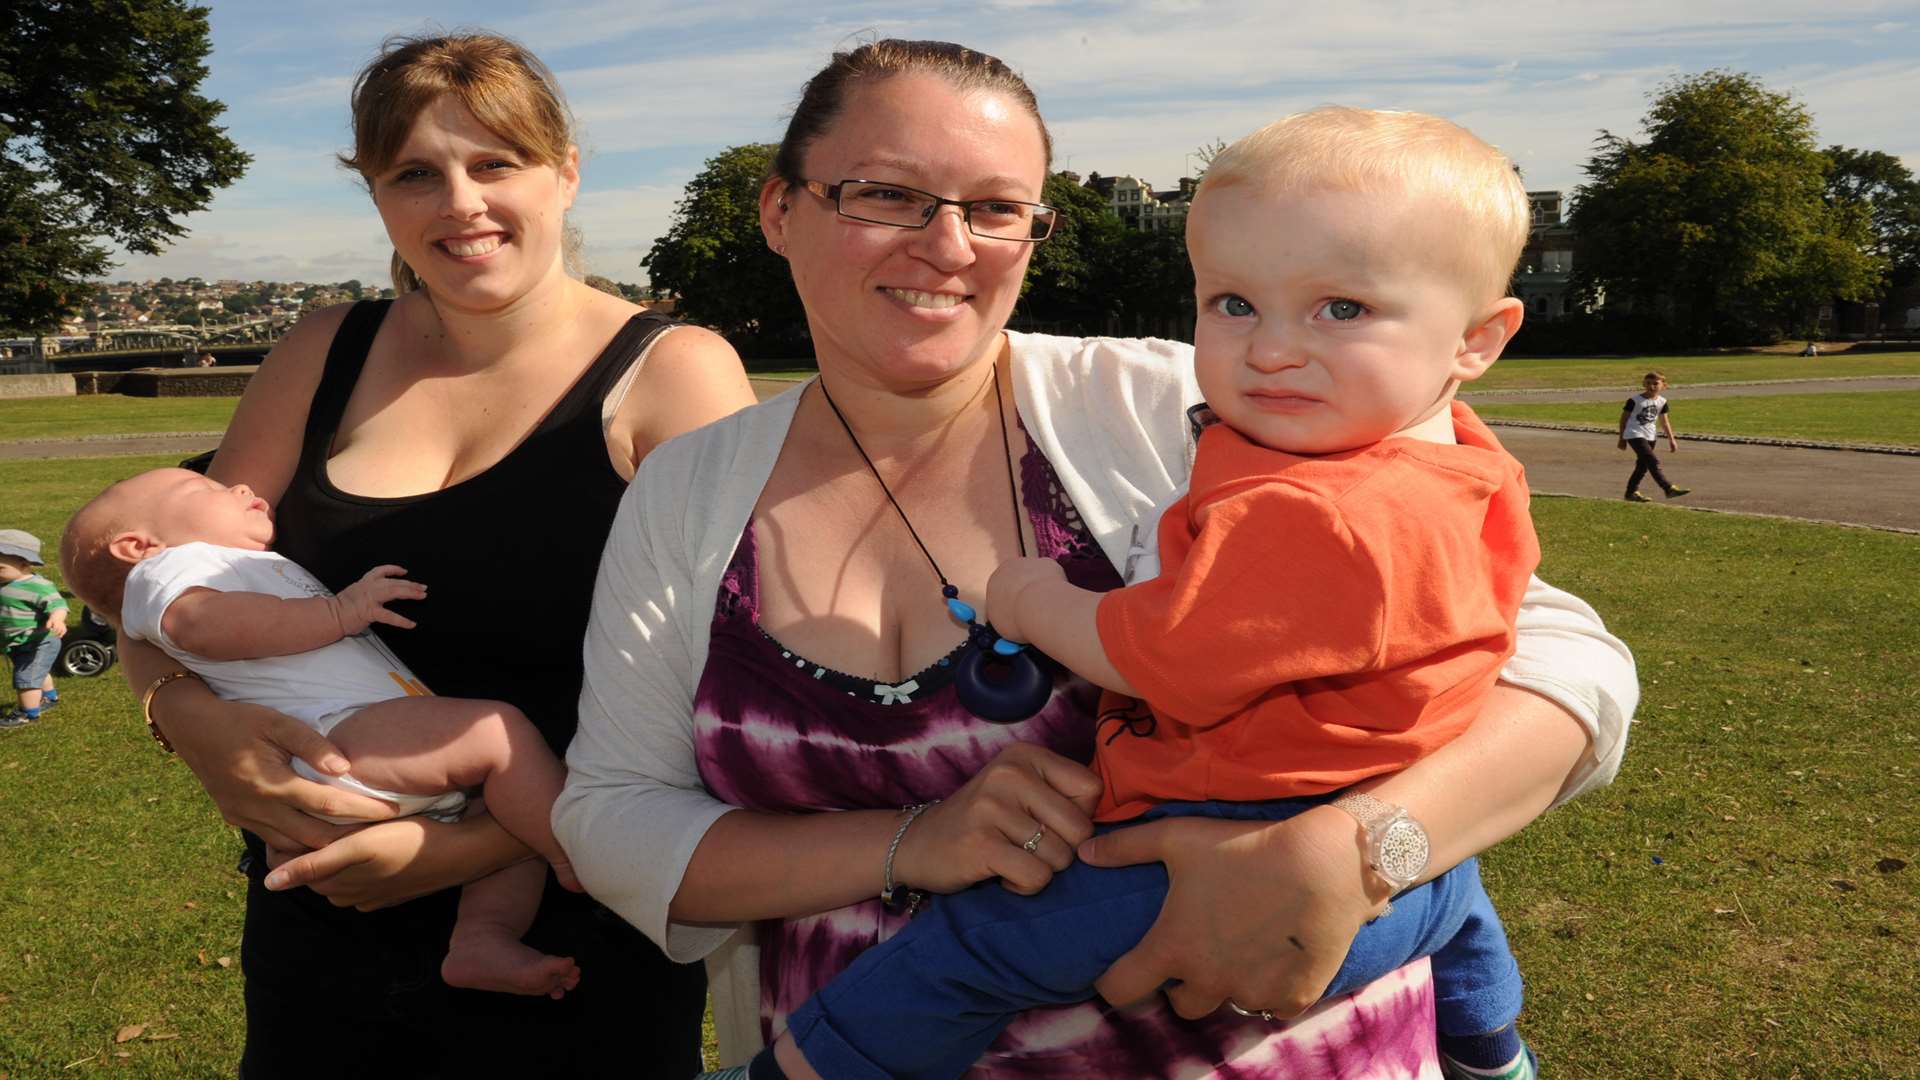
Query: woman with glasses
column 808, row 637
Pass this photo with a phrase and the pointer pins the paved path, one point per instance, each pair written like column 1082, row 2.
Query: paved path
column 186, row 444
column 1770, row 388
column 1880, row 490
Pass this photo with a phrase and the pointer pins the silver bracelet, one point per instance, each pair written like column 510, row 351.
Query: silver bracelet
column 889, row 886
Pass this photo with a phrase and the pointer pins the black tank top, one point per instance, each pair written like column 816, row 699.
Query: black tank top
column 511, row 556
column 508, row 556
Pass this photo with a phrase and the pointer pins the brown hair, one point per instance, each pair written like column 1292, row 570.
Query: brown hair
column 1653, row 375
column 826, row 93
column 506, row 88
column 91, row 571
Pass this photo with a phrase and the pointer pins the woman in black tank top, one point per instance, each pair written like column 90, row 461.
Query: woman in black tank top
column 500, row 451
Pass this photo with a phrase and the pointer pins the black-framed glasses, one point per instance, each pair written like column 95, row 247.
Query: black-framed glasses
column 879, row 203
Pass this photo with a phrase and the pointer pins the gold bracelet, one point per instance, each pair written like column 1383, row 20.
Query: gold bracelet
column 146, row 704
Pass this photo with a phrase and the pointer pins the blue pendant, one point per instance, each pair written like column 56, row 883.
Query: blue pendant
column 1001, row 688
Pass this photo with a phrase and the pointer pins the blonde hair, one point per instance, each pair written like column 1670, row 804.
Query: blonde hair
column 1371, row 150
column 825, row 95
column 503, row 85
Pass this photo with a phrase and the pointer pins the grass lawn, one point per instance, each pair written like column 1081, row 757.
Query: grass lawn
column 1888, row 416
column 1739, row 903
column 1545, row 373
column 111, row 414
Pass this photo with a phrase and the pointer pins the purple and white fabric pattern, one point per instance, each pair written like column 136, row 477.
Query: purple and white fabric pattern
column 777, row 733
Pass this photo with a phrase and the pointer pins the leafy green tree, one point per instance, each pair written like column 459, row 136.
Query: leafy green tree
column 715, row 259
column 103, row 136
column 1065, row 279
column 1152, row 279
column 1886, row 188
column 1717, row 219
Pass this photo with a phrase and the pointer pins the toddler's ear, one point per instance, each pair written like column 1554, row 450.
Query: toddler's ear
column 133, row 546
column 1491, row 330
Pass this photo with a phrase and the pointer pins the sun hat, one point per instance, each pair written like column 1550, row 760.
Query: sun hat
column 19, row 542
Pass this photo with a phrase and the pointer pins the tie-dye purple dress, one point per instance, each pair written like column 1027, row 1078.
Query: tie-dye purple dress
column 775, row 732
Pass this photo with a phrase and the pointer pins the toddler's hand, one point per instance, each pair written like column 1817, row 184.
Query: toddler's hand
column 1004, row 589
column 364, row 602
column 57, row 626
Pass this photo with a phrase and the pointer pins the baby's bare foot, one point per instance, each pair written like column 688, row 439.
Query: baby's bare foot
column 499, row 962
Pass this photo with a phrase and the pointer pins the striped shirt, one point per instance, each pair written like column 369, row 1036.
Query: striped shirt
column 25, row 607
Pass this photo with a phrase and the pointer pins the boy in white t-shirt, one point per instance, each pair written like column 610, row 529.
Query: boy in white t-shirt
column 1637, row 429
column 181, row 560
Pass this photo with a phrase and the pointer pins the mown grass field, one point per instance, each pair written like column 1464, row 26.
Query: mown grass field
column 1530, row 373
column 1740, row 903
column 111, row 414
column 1888, row 417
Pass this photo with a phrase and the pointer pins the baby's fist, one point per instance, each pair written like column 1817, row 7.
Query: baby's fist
column 1009, row 583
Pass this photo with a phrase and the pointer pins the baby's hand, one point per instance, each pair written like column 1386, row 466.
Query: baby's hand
column 1006, row 586
column 364, row 602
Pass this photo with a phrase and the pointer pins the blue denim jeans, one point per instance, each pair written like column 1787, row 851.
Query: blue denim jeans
column 926, row 1003
column 33, row 660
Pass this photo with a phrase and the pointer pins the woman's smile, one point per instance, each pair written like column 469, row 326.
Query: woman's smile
column 928, row 302
column 471, row 248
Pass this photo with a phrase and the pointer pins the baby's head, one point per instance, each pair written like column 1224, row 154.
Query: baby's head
column 143, row 515
column 1351, row 269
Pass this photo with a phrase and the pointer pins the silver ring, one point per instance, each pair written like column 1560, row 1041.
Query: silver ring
column 1033, row 842
column 1263, row 1014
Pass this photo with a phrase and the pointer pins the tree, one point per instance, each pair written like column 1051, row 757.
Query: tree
column 1882, row 185
column 1065, row 277
column 715, row 259
column 1717, row 220
column 103, row 136
column 604, row 284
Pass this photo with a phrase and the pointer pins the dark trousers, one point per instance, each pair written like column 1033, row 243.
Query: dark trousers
column 1645, row 463
column 333, row 994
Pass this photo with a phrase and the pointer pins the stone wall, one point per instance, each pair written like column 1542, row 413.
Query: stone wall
column 31, row 386
column 167, row 382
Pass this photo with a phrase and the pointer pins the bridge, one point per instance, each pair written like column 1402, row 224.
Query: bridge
column 124, row 348
column 185, row 339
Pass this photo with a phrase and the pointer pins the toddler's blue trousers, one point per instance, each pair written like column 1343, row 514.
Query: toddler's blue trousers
column 926, row 1003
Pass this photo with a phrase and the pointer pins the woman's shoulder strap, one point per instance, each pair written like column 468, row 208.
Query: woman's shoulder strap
column 346, row 357
column 624, row 354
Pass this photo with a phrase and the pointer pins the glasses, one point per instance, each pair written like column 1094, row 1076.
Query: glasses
column 878, row 203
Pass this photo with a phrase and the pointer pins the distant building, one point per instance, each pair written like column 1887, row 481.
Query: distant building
column 1135, row 202
column 1546, row 263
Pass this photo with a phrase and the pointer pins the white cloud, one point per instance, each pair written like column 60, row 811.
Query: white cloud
column 1128, row 86
column 619, row 227
column 313, row 244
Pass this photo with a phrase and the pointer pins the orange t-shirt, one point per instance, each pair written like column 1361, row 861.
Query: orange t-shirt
column 1317, row 620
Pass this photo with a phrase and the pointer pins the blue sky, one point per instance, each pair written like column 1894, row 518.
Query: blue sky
column 1128, row 86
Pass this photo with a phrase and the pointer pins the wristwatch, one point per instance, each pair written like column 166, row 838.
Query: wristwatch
column 1397, row 846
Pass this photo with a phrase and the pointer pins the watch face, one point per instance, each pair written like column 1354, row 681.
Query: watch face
column 1403, row 850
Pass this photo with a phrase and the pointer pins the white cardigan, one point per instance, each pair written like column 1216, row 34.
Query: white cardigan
column 1110, row 416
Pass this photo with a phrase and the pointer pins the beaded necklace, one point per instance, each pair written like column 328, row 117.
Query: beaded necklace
column 997, row 680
